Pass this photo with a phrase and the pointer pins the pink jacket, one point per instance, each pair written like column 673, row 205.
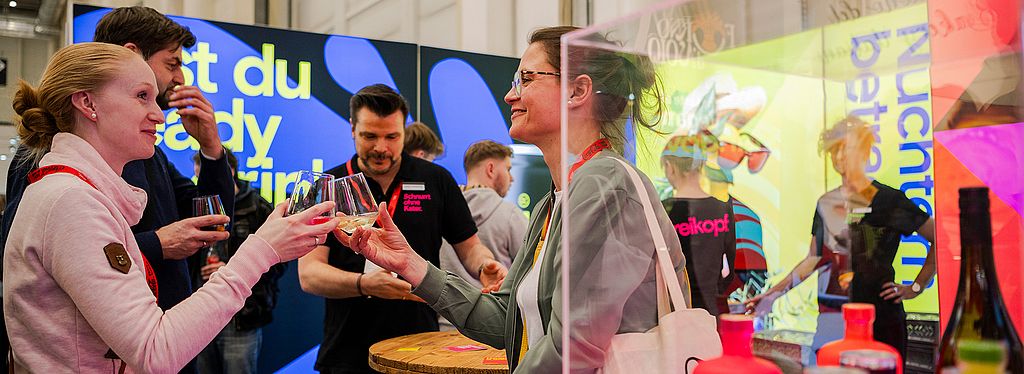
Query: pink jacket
column 65, row 305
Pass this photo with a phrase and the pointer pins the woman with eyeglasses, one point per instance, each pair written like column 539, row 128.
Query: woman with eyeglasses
column 856, row 232
column 612, row 284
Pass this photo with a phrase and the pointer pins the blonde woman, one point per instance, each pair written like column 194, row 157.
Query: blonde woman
column 79, row 295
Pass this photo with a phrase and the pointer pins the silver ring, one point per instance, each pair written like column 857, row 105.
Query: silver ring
column 205, row 244
column 316, row 241
column 895, row 289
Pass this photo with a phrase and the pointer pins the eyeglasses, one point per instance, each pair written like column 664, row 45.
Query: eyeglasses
column 517, row 79
column 730, row 155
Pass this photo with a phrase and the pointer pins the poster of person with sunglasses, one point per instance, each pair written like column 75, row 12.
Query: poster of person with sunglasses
column 742, row 131
column 718, row 111
column 733, row 111
column 765, row 117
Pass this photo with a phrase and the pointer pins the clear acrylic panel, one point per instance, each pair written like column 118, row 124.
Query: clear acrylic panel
column 812, row 144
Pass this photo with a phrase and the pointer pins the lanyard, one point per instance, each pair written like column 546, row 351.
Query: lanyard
column 392, row 203
column 41, row 172
column 524, row 345
column 543, row 235
column 589, row 153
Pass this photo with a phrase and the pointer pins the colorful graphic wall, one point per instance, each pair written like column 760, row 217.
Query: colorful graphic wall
column 783, row 93
column 281, row 101
column 975, row 74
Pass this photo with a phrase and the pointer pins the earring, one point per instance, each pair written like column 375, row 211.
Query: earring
column 569, row 102
column 93, row 115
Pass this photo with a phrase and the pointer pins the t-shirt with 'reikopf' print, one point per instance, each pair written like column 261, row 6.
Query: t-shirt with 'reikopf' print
column 707, row 231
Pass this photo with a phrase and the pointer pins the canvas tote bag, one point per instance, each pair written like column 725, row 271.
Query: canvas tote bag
column 683, row 337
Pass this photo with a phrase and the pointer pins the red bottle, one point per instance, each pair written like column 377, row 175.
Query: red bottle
column 737, row 332
column 859, row 335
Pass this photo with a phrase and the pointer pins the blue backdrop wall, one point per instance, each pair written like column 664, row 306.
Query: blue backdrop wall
column 281, row 101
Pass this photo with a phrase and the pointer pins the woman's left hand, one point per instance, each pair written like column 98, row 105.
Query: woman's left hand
column 897, row 292
column 386, row 247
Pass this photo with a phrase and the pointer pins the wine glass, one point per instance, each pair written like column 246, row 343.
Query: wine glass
column 356, row 201
column 204, row 206
column 312, row 188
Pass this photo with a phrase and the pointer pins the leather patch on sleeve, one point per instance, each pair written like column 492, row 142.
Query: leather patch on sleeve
column 118, row 257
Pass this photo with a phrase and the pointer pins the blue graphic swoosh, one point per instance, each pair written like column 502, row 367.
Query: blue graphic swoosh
column 466, row 111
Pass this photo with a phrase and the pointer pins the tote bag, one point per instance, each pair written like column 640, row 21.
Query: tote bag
column 683, row 337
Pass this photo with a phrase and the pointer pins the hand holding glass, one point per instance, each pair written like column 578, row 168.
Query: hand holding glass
column 312, row 188
column 204, row 206
column 355, row 200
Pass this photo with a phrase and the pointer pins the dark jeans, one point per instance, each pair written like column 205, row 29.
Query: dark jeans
column 232, row 351
column 891, row 326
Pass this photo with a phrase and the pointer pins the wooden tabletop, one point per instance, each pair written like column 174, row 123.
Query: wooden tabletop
column 428, row 353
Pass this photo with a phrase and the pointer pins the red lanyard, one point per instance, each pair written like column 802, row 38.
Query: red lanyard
column 392, row 203
column 589, row 153
column 43, row 171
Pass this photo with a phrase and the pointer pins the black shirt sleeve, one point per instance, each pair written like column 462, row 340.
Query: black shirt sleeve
column 891, row 208
column 17, row 182
column 457, row 221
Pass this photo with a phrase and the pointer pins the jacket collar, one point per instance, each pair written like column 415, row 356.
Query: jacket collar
column 71, row 150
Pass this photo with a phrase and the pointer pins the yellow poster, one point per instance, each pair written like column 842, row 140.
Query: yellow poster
column 778, row 96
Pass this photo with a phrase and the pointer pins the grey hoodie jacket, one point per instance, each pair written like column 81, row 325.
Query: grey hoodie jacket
column 501, row 227
column 612, row 287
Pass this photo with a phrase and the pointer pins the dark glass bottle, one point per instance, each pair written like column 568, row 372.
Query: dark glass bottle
column 979, row 312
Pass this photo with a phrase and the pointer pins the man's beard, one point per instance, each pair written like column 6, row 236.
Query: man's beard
column 372, row 156
column 162, row 99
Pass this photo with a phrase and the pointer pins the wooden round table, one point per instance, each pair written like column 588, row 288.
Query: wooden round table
column 429, row 353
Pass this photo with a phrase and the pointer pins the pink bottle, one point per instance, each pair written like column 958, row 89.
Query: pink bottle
column 737, row 355
column 860, row 319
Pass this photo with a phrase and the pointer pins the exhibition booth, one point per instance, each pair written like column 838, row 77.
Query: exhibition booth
column 831, row 143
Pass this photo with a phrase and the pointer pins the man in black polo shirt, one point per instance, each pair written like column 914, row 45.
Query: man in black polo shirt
column 365, row 304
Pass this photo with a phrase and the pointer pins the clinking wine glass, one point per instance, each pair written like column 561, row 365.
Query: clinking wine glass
column 356, row 201
column 312, row 188
column 204, row 206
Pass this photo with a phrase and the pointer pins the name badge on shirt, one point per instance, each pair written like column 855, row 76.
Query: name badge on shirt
column 413, row 186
